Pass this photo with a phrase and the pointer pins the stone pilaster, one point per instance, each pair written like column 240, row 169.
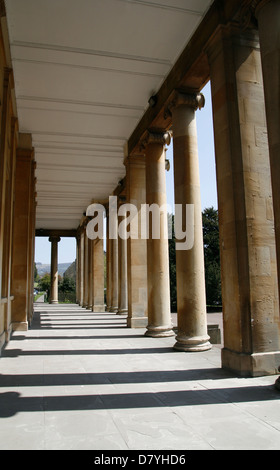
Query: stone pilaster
column 54, row 269
column 24, row 193
column 248, row 254
column 159, row 315
column 191, row 299
column 268, row 15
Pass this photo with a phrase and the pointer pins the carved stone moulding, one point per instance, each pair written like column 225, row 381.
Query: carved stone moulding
column 163, row 138
column 193, row 100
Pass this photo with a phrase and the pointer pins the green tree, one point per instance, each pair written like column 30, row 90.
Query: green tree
column 172, row 266
column 67, row 284
column 36, row 276
column 44, row 283
column 210, row 222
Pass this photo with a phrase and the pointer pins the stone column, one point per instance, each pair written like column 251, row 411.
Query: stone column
column 191, row 298
column 247, row 240
column 98, row 276
column 78, row 268
column 54, row 270
column 114, row 270
column 24, row 191
column 108, row 265
column 81, row 265
column 85, row 296
column 90, row 274
column 122, row 250
column 136, row 247
column 159, row 315
column 268, row 16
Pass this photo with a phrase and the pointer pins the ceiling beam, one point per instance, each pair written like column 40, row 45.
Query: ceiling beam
column 56, row 233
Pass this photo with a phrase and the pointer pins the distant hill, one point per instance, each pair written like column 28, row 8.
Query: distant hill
column 71, row 271
column 46, row 268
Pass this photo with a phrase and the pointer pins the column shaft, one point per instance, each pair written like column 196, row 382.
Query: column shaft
column 159, row 316
column 98, row 276
column 136, row 247
column 122, row 250
column 85, row 280
column 114, row 271
column 90, row 274
column 191, row 297
column 54, row 269
column 78, row 268
column 81, row 264
column 24, row 191
column 108, row 264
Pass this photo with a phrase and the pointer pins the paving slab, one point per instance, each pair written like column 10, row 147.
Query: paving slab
column 78, row 380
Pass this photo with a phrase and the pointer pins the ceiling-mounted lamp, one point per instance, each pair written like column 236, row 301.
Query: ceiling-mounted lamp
column 153, row 101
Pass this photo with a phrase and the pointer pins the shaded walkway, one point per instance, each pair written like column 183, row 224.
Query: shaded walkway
column 81, row 380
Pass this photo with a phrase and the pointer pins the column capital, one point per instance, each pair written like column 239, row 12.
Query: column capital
column 192, row 100
column 154, row 137
column 250, row 10
column 54, row 238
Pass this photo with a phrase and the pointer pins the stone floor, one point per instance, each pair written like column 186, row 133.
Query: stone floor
column 82, row 380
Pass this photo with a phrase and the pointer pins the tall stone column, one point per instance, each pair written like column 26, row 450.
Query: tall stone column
column 159, row 315
column 114, row 271
column 24, row 194
column 54, row 269
column 78, row 268
column 90, row 274
column 268, row 16
column 247, row 240
column 136, row 246
column 122, row 250
column 98, row 276
column 108, row 264
column 191, row 298
column 86, row 263
column 81, row 266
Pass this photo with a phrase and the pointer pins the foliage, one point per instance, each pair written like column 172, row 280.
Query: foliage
column 211, row 259
column 44, row 283
column 210, row 223
column 67, row 284
column 172, row 268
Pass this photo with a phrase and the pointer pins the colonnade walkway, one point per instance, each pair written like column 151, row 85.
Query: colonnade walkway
column 81, row 380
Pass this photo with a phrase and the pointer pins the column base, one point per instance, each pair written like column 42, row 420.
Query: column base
column 99, row 308
column 159, row 331
column 54, row 302
column 137, row 322
column 113, row 310
column 192, row 344
column 252, row 365
column 20, row 326
column 122, row 312
column 277, row 384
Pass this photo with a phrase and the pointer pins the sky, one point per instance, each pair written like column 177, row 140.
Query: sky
column 67, row 246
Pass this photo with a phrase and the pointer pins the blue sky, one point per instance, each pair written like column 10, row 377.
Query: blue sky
column 67, row 247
